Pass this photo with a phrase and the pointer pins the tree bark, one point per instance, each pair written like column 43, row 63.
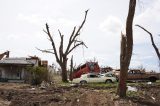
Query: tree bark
column 71, row 69
column 123, row 68
column 126, row 50
column 63, row 66
column 64, row 72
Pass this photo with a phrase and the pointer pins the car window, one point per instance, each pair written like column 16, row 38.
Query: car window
column 92, row 76
column 130, row 72
column 102, row 75
column 134, row 72
column 109, row 75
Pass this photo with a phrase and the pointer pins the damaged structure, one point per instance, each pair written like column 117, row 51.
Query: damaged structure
column 88, row 67
column 15, row 69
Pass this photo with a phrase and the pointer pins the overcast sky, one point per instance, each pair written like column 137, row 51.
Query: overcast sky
column 22, row 23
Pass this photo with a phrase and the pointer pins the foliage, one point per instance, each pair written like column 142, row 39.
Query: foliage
column 38, row 74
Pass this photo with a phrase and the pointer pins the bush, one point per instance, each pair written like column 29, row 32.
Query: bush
column 37, row 75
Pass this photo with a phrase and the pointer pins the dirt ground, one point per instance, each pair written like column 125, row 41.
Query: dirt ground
column 15, row 94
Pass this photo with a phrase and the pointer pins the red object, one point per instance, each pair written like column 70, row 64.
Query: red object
column 89, row 67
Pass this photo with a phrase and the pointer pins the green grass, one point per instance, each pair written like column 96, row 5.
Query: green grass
column 109, row 85
column 143, row 83
column 132, row 94
column 58, row 81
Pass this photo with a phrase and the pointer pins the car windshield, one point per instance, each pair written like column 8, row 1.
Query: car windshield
column 109, row 75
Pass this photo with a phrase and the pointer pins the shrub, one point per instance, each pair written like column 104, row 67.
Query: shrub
column 37, row 75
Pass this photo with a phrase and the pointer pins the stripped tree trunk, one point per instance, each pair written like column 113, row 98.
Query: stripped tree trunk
column 126, row 50
column 71, row 70
column 64, row 68
column 123, row 67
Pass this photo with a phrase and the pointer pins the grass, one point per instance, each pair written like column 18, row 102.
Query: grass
column 109, row 85
column 58, row 81
column 132, row 94
column 143, row 83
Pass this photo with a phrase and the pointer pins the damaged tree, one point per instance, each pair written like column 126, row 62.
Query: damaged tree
column 152, row 40
column 126, row 50
column 61, row 56
column 71, row 69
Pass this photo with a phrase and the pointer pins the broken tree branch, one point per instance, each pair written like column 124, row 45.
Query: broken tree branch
column 74, row 35
column 123, row 47
column 76, row 45
column 45, row 51
column 152, row 40
column 80, row 27
column 61, row 47
column 53, row 44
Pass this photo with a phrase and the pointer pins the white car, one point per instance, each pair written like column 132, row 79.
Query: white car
column 109, row 74
column 93, row 78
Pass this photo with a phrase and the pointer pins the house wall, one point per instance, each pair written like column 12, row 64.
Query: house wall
column 12, row 72
column 2, row 72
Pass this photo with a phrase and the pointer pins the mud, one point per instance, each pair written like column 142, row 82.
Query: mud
column 13, row 94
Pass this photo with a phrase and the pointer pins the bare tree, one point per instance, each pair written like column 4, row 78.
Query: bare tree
column 126, row 50
column 152, row 40
column 61, row 55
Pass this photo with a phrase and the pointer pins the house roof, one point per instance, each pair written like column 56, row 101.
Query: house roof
column 20, row 61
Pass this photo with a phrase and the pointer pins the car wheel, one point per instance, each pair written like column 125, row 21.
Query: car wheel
column 108, row 81
column 83, row 82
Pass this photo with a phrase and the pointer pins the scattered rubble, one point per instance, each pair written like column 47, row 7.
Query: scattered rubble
column 44, row 85
column 129, row 88
column 12, row 94
column 149, row 83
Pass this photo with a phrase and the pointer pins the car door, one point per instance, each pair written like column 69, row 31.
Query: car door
column 93, row 78
column 134, row 75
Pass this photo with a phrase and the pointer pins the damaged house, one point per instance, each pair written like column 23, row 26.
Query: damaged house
column 15, row 69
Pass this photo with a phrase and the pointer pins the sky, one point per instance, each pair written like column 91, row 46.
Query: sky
column 22, row 23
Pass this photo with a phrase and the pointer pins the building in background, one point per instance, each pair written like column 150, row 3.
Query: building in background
column 15, row 69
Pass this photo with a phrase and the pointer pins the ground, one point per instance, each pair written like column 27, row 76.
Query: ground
column 19, row 94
